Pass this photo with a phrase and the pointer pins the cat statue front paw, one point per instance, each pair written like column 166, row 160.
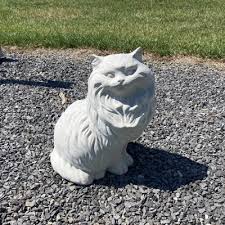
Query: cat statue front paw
column 91, row 136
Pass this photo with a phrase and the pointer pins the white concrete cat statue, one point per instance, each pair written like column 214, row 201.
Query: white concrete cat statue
column 91, row 136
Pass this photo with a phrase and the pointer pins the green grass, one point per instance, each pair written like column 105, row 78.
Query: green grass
column 165, row 27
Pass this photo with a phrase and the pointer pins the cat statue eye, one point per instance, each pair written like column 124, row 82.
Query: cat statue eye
column 131, row 70
column 91, row 136
column 110, row 75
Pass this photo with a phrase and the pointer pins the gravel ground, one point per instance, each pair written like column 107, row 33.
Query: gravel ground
column 179, row 171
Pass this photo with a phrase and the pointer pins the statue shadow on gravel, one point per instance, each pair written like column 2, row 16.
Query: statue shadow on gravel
column 47, row 83
column 156, row 168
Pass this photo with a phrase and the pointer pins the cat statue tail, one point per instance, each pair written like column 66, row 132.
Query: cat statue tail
column 69, row 172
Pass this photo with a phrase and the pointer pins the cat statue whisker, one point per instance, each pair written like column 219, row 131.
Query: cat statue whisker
column 91, row 136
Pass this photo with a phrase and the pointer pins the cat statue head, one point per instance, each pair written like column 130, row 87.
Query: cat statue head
column 121, row 91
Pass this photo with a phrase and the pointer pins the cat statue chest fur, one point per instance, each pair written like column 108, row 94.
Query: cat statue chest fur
column 91, row 136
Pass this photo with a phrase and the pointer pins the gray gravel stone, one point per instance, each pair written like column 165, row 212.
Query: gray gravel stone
column 178, row 176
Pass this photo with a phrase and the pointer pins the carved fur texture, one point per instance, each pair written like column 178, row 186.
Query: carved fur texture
column 91, row 136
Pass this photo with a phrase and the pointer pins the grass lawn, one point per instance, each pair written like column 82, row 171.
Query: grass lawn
column 165, row 27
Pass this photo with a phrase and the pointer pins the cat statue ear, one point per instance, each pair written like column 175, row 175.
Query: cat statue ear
column 96, row 61
column 137, row 54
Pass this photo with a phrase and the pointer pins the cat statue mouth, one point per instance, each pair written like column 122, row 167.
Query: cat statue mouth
column 91, row 136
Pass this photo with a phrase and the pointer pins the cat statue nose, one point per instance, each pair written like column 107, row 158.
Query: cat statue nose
column 120, row 81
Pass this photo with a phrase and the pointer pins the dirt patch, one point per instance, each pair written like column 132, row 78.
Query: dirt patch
column 83, row 53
